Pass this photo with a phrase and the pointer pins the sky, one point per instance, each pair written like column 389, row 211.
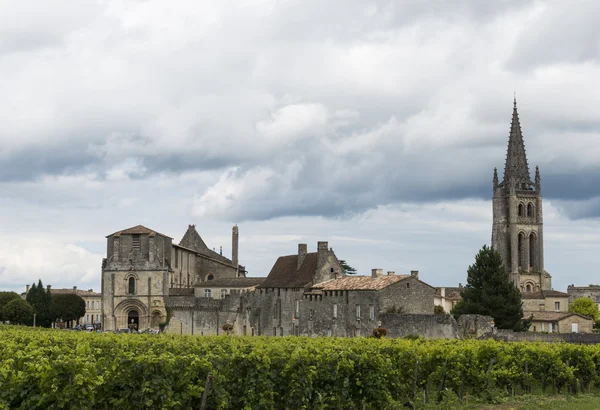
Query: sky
column 373, row 125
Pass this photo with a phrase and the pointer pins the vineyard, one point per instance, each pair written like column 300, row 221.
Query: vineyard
column 59, row 369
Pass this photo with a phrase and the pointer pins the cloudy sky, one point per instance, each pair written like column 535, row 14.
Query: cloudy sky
column 374, row 125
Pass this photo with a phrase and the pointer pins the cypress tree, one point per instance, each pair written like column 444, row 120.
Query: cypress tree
column 490, row 292
column 40, row 299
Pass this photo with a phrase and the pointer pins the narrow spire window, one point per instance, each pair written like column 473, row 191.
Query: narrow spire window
column 532, row 253
column 520, row 213
column 530, row 209
column 132, row 285
column 520, row 249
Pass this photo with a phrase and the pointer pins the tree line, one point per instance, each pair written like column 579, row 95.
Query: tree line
column 39, row 307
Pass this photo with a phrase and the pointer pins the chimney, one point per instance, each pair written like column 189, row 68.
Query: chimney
column 414, row 274
column 74, row 289
column 301, row 253
column 376, row 273
column 221, row 250
column 27, row 288
column 234, row 246
column 322, row 253
column 391, row 273
column 443, row 292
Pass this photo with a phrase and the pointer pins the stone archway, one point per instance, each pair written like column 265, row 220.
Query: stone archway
column 131, row 309
column 133, row 319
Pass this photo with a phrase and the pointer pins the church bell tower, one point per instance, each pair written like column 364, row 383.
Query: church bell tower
column 517, row 229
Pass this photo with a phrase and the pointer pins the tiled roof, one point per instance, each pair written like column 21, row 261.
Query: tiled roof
column 139, row 229
column 551, row 316
column 451, row 293
column 544, row 294
column 361, row 282
column 231, row 282
column 71, row 290
column 285, row 272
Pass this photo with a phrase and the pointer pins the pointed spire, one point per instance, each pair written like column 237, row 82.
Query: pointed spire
column 537, row 178
column 516, row 159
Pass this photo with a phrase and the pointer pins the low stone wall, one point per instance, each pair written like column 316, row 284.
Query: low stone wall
column 181, row 291
column 431, row 326
column 578, row 338
column 473, row 326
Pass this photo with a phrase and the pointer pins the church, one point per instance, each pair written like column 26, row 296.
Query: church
column 517, row 224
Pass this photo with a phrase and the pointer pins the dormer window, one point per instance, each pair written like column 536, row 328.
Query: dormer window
column 136, row 241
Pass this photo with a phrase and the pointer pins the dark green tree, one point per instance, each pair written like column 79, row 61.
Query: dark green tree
column 41, row 301
column 6, row 297
column 347, row 269
column 439, row 310
column 68, row 307
column 490, row 292
column 18, row 312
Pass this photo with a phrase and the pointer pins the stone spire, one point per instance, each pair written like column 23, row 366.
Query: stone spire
column 516, row 159
column 537, row 178
column 495, row 178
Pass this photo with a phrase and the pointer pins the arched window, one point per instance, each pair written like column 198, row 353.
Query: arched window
column 207, row 293
column 530, row 209
column 132, row 285
column 532, row 253
column 528, row 288
column 210, row 277
column 520, row 209
column 520, row 249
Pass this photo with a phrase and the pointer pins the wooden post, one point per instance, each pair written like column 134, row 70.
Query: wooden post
column 206, row 391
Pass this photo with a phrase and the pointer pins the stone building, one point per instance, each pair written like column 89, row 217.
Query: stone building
column 93, row 303
column 142, row 266
column 560, row 322
column 592, row 292
column 447, row 297
column 517, row 227
column 305, row 294
column 545, row 301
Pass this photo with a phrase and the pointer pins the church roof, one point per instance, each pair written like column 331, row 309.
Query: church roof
column 516, row 158
column 285, row 272
column 193, row 241
column 138, row 229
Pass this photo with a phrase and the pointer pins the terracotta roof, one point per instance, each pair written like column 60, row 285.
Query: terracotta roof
column 139, row 229
column 361, row 282
column 231, row 282
column 285, row 272
column 71, row 290
column 451, row 293
column 544, row 294
column 551, row 316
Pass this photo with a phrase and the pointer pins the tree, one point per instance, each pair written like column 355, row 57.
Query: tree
column 439, row 310
column 41, row 301
column 67, row 306
column 18, row 312
column 347, row 269
column 490, row 292
column 5, row 298
column 584, row 306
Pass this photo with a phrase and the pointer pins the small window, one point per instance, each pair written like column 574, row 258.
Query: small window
column 223, row 293
column 407, row 285
column 334, row 314
column 520, row 209
column 371, row 312
column 132, row 285
column 136, row 242
column 528, row 288
column 530, row 210
column 557, row 306
column 297, row 308
column 331, row 270
column 210, row 277
column 357, row 312
column 207, row 293
column 311, row 314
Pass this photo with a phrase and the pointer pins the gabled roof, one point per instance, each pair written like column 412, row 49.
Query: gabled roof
column 452, row 293
column 361, row 282
column 552, row 316
column 138, row 229
column 240, row 282
column 193, row 240
column 543, row 294
column 516, row 159
column 285, row 272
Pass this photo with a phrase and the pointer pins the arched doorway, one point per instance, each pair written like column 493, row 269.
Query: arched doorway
column 133, row 319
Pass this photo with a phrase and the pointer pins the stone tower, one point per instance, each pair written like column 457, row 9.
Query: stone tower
column 517, row 229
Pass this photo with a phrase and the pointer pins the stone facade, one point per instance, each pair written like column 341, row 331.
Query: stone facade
column 307, row 294
column 447, row 297
column 93, row 303
column 517, row 228
column 592, row 292
column 546, row 301
column 560, row 322
column 143, row 267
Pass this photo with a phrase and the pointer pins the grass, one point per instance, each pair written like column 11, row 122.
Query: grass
column 556, row 402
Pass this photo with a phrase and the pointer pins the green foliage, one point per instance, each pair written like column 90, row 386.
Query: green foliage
column 45, row 368
column 489, row 292
column 18, row 312
column 439, row 310
column 347, row 269
column 41, row 301
column 584, row 306
column 395, row 309
column 67, row 306
column 6, row 297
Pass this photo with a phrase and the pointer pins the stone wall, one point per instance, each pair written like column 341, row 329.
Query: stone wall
column 410, row 295
column 474, row 326
column 431, row 326
column 510, row 336
column 592, row 292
